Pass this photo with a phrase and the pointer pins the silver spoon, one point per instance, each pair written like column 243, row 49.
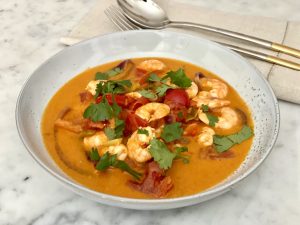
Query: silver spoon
column 148, row 14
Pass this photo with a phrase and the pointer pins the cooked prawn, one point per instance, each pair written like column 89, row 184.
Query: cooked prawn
column 212, row 103
column 205, row 138
column 218, row 89
column 138, row 145
column 229, row 118
column 134, row 95
column 192, row 129
column 192, row 91
column 119, row 150
column 99, row 140
column 151, row 65
column 153, row 111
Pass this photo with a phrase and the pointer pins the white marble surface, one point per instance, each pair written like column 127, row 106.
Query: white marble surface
column 28, row 195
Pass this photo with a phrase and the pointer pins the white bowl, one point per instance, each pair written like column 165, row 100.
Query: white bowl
column 233, row 68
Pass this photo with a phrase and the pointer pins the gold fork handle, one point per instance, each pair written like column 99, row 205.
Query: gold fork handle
column 265, row 57
column 286, row 49
column 237, row 35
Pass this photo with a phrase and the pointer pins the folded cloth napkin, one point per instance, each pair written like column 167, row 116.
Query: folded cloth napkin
column 285, row 82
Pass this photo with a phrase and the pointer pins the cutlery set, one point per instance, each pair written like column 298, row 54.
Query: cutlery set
column 146, row 14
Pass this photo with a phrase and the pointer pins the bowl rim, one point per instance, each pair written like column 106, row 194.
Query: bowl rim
column 115, row 198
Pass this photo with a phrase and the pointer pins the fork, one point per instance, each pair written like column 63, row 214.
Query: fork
column 117, row 17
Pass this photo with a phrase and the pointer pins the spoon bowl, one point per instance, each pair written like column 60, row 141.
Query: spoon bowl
column 145, row 13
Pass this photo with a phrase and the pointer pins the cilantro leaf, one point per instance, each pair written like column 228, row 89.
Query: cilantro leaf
column 179, row 78
column 154, row 78
column 113, row 87
column 161, row 154
column 94, row 155
column 120, row 126
column 108, row 160
column 110, row 133
column 244, row 134
column 125, row 167
column 113, row 72
column 101, row 76
column 212, row 119
column 162, row 89
column 204, row 108
column 104, row 162
column 172, row 132
column 223, row 143
column 107, row 74
column 185, row 158
column 181, row 149
column 98, row 112
column 115, row 107
column 143, row 131
column 117, row 132
column 148, row 94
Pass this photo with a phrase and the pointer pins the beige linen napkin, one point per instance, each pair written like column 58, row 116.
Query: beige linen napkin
column 285, row 82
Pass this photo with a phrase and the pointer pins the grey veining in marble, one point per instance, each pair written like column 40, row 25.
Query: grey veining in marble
column 30, row 31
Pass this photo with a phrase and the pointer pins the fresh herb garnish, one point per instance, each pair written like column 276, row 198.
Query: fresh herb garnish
column 102, row 111
column 101, row 76
column 108, row 160
column 99, row 112
column 143, row 131
column 115, row 107
column 117, row 132
column 212, row 119
column 172, row 132
column 107, row 74
column 105, row 161
column 204, row 108
column 223, row 143
column 185, row 158
column 112, row 87
column 154, row 78
column 162, row 89
column 110, row 133
column 179, row 78
column 148, row 94
column 94, row 155
column 161, row 154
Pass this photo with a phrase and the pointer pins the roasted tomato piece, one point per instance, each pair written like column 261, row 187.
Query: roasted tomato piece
column 177, row 97
column 176, row 115
column 121, row 100
column 155, row 181
column 85, row 96
column 142, row 76
column 132, row 121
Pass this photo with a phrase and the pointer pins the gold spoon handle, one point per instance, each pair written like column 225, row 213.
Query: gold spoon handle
column 264, row 57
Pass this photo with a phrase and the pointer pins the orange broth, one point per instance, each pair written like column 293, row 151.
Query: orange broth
column 191, row 178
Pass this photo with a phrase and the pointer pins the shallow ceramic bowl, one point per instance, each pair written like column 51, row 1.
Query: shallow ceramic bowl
column 59, row 69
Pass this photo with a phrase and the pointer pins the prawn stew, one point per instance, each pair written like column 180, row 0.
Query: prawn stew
column 147, row 128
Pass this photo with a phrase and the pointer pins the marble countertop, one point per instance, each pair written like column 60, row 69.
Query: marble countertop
column 29, row 196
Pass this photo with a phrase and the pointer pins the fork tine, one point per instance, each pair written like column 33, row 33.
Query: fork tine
column 114, row 20
column 124, row 18
column 119, row 19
